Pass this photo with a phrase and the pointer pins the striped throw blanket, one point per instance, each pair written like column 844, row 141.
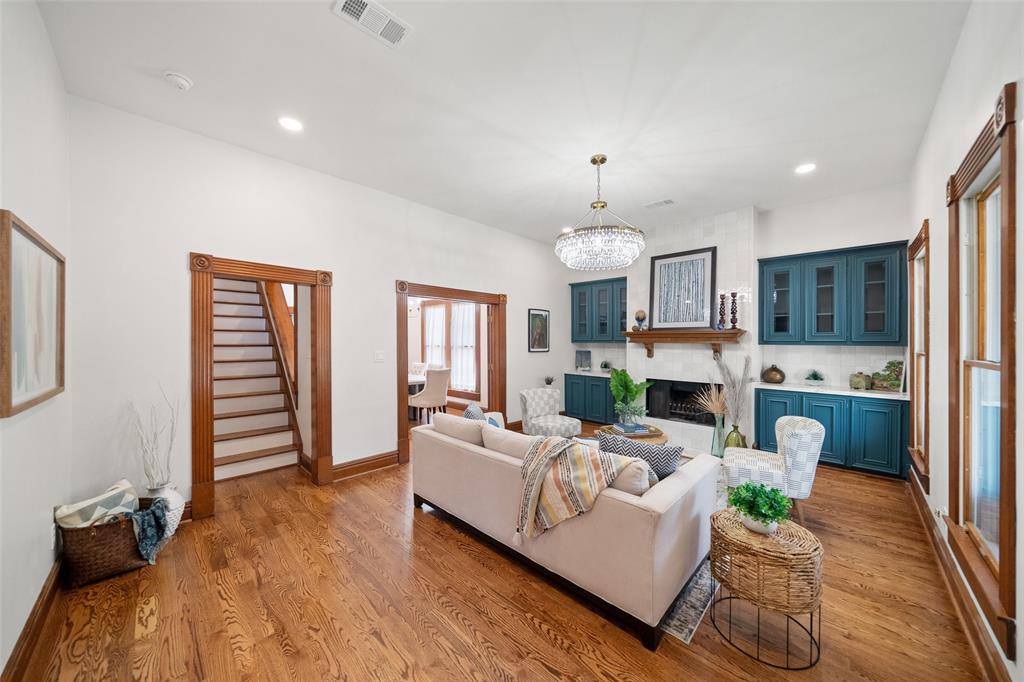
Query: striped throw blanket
column 562, row 479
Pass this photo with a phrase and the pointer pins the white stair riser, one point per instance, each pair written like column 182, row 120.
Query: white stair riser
column 241, row 369
column 257, row 421
column 235, row 297
column 235, row 309
column 257, row 324
column 251, row 353
column 224, row 386
column 240, row 445
column 256, row 402
column 233, row 284
column 253, row 465
column 238, row 338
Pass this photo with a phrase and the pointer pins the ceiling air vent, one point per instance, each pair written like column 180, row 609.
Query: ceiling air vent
column 373, row 19
column 659, row 203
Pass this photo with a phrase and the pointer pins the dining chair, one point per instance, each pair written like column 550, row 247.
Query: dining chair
column 434, row 396
column 418, row 368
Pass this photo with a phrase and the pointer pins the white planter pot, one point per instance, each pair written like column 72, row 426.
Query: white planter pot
column 175, row 506
column 757, row 526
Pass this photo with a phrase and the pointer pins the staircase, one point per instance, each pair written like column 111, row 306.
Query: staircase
column 254, row 422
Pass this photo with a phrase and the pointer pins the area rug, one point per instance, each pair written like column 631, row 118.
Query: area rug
column 692, row 603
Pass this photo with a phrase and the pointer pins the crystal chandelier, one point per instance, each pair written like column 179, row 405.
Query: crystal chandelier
column 593, row 245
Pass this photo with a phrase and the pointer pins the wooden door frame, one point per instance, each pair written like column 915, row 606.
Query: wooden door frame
column 496, row 351
column 205, row 268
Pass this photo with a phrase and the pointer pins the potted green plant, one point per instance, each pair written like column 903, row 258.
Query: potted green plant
column 626, row 392
column 814, row 378
column 760, row 508
column 548, row 381
column 606, row 366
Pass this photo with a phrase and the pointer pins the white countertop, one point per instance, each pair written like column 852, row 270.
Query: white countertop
column 832, row 390
column 591, row 373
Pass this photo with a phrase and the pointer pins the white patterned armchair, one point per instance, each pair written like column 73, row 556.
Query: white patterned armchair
column 791, row 470
column 540, row 414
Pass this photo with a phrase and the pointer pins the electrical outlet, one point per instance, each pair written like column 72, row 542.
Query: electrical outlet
column 378, row 356
column 53, row 536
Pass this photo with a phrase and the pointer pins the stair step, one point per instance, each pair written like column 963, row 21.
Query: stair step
column 246, row 376
column 255, row 454
column 249, row 317
column 250, row 394
column 243, row 360
column 249, row 413
column 241, row 345
column 251, row 432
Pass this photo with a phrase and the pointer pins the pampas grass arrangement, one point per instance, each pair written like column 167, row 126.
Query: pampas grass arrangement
column 734, row 386
column 711, row 399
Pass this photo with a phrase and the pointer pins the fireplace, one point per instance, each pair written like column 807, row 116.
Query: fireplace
column 674, row 400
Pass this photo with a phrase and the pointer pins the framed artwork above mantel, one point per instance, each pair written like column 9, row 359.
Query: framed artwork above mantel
column 31, row 317
column 683, row 289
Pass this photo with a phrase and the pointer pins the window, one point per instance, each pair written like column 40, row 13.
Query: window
column 451, row 338
column 920, row 304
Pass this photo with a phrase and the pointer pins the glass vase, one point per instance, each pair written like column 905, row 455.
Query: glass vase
column 718, row 440
column 735, row 439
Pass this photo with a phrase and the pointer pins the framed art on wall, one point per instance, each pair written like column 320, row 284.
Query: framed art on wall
column 31, row 317
column 683, row 289
column 539, row 322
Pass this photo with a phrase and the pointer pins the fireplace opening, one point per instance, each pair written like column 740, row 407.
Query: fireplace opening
column 675, row 400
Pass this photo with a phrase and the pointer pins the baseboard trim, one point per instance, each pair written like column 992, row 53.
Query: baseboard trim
column 17, row 664
column 365, row 465
column 984, row 648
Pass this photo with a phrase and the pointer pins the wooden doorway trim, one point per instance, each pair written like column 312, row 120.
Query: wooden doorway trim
column 205, row 268
column 496, row 351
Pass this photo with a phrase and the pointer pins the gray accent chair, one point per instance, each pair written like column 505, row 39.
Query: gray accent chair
column 540, row 407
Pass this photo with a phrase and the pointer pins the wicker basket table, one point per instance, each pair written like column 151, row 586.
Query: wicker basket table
column 780, row 572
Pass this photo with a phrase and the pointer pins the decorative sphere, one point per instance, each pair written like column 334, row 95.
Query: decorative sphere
column 640, row 316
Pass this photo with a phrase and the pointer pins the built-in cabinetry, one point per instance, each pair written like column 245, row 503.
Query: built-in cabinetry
column 853, row 296
column 589, row 398
column 860, row 432
column 599, row 311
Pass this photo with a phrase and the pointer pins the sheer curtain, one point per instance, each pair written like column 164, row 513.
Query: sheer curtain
column 464, row 346
column 434, row 341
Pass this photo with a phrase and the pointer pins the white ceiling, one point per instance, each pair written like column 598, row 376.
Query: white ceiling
column 492, row 110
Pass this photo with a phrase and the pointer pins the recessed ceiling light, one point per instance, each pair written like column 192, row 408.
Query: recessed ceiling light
column 805, row 168
column 289, row 123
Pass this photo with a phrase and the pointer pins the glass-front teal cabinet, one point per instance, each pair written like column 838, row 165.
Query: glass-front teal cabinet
column 865, row 433
column 850, row 296
column 590, row 398
column 599, row 313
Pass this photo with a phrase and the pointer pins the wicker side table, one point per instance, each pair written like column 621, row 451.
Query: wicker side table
column 780, row 572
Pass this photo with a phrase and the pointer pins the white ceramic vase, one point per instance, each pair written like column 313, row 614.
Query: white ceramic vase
column 175, row 506
column 757, row 526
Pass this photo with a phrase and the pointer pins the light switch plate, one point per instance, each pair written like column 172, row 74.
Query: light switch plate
column 378, row 356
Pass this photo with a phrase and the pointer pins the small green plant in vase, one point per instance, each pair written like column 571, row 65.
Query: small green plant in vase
column 761, row 508
column 626, row 392
column 815, row 378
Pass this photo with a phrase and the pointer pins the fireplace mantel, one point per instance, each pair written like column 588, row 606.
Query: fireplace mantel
column 713, row 337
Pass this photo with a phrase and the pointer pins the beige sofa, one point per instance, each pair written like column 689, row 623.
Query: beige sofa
column 634, row 552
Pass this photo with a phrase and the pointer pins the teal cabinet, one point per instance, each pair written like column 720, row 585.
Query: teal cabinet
column 589, row 398
column 599, row 312
column 781, row 311
column 869, row 434
column 850, row 296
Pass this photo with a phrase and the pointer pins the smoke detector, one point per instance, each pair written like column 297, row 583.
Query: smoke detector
column 178, row 80
column 659, row 203
column 374, row 20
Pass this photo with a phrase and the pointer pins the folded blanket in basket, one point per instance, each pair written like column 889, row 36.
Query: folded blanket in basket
column 150, row 528
column 117, row 499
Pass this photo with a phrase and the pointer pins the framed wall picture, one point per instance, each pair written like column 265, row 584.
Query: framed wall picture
column 31, row 317
column 683, row 289
column 539, row 326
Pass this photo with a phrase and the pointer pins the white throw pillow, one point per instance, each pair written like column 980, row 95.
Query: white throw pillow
column 467, row 430
column 508, row 442
column 633, row 479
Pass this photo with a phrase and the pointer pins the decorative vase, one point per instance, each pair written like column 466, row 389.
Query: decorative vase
column 758, row 526
column 175, row 506
column 860, row 381
column 773, row 375
column 718, row 440
column 735, row 439
column 814, row 382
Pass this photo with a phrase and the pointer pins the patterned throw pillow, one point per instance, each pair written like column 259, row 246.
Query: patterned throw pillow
column 473, row 411
column 664, row 459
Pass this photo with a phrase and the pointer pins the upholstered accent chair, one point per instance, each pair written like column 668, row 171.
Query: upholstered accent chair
column 540, row 408
column 434, row 396
column 791, row 470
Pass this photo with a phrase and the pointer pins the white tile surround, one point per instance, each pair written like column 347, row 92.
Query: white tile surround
column 837, row 363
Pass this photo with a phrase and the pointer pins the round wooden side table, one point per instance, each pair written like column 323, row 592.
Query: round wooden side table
column 781, row 573
column 654, row 435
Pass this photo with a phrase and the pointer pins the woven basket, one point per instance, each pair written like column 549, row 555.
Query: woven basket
column 99, row 551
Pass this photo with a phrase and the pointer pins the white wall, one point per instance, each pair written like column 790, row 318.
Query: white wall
column 989, row 53
column 145, row 194
column 36, row 444
column 303, row 370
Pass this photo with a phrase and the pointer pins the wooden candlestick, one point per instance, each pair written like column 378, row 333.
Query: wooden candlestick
column 734, row 320
column 721, row 311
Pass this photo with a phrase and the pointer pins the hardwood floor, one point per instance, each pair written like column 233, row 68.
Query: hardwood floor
column 348, row 581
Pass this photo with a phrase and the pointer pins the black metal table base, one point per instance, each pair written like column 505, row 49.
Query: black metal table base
column 802, row 631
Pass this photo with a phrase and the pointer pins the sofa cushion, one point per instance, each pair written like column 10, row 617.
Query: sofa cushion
column 467, row 430
column 508, row 442
column 473, row 411
column 633, row 479
column 664, row 459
